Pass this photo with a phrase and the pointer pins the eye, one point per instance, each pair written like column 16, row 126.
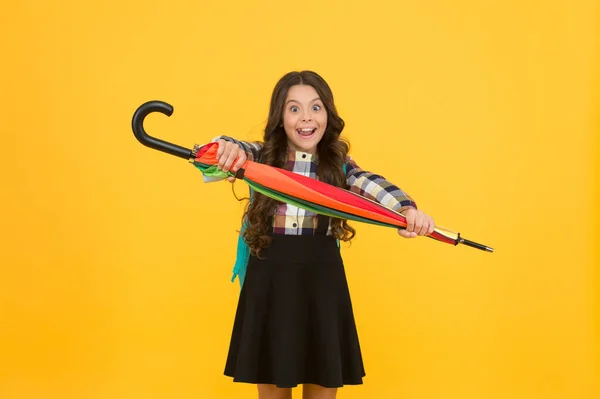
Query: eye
column 294, row 109
column 316, row 107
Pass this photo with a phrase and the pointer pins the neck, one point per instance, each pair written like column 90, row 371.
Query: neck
column 292, row 147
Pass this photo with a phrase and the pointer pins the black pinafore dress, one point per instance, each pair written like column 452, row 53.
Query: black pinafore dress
column 294, row 322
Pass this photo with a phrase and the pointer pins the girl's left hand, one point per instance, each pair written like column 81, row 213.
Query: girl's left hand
column 418, row 224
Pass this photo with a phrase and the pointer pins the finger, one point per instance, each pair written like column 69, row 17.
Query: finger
column 410, row 221
column 424, row 226
column 406, row 234
column 223, row 158
column 227, row 150
column 418, row 223
column 431, row 226
column 231, row 179
column 232, row 156
column 427, row 225
column 240, row 161
column 221, row 147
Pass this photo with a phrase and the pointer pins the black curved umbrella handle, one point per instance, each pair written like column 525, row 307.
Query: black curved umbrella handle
column 138, row 129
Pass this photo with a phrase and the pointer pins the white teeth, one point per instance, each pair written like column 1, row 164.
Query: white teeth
column 306, row 132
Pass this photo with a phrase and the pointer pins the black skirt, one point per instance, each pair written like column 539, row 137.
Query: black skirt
column 294, row 322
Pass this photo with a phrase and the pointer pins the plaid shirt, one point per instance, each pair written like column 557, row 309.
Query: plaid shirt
column 291, row 220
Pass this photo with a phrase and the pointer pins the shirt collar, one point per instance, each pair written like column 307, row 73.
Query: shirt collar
column 302, row 156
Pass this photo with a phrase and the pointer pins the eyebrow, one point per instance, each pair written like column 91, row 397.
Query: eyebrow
column 312, row 101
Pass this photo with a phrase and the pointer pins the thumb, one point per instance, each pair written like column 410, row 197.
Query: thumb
column 406, row 234
column 231, row 179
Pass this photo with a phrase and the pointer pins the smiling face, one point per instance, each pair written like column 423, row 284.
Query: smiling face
column 304, row 118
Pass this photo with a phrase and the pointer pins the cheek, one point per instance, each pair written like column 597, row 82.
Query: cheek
column 323, row 121
column 288, row 126
column 288, row 120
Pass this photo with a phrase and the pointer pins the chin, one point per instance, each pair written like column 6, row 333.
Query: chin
column 306, row 147
column 304, row 144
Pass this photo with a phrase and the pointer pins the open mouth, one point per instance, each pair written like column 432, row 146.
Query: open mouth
column 306, row 132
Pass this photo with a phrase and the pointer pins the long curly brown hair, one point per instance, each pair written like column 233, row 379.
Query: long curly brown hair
column 331, row 151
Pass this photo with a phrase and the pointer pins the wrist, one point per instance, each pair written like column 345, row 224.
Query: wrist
column 405, row 209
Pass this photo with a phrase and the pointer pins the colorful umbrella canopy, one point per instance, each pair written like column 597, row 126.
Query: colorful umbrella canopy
column 288, row 187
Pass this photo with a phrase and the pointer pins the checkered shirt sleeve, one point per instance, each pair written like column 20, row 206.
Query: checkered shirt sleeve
column 251, row 148
column 376, row 187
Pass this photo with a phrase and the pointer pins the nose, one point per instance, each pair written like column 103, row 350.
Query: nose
column 306, row 116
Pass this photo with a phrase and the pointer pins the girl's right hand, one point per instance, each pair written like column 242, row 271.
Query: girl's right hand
column 227, row 153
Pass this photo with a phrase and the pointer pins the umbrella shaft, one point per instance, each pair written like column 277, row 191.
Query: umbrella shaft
column 475, row 245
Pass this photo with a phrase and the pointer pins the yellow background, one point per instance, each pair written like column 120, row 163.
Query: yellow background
column 115, row 260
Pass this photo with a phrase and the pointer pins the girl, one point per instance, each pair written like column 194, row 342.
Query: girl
column 294, row 322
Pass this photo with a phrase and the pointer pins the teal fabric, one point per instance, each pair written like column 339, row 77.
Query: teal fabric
column 243, row 251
